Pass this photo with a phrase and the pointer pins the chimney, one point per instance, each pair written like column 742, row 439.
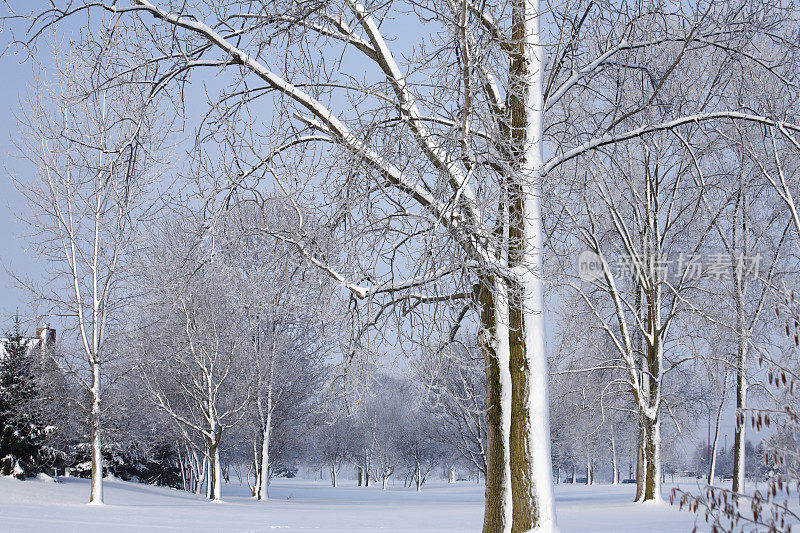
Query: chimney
column 47, row 336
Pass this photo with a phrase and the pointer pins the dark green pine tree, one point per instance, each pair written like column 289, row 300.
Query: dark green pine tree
column 20, row 436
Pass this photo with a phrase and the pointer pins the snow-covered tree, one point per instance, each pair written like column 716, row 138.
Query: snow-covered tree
column 286, row 306
column 418, row 446
column 333, row 442
column 453, row 376
column 21, row 433
column 753, row 235
column 90, row 133
column 638, row 221
column 192, row 354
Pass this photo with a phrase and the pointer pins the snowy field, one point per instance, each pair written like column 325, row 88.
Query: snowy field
column 300, row 505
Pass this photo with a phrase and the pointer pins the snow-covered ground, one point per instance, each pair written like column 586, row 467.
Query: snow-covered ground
column 301, row 505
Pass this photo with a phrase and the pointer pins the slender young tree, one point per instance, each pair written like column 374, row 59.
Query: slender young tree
column 88, row 132
column 754, row 246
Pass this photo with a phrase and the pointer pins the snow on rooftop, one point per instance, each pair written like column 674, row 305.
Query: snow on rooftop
column 29, row 342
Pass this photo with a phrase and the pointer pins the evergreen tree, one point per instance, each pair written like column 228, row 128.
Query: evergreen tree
column 20, row 436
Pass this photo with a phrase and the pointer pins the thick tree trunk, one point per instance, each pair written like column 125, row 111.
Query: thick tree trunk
column 652, row 449
column 588, row 471
column 451, row 475
column 96, row 491
column 333, row 476
column 641, row 461
column 497, row 469
column 649, row 396
column 360, row 476
column 519, row 471
column 501, row 341
column 530, row 459
column 201, row 471
column 263, row 487
column 217, row 492
column 266, row 421
column 214, row 472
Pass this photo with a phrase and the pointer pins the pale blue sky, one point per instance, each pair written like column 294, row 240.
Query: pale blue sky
column 14, row 253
